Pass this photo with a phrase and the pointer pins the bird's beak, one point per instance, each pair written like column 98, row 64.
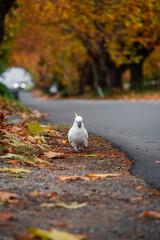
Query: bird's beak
column 79, row 124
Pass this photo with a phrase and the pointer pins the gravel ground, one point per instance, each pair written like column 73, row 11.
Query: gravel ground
column 113, row 205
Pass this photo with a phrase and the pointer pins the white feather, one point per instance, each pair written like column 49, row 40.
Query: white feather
column 77, row 134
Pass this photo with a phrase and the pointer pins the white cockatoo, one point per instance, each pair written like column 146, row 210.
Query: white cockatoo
column 77, row 134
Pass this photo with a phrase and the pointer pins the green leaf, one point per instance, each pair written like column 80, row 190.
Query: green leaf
column 16, row 176
column 35, row 128
column 73, row 205
column 54, row 234
column 91, row 155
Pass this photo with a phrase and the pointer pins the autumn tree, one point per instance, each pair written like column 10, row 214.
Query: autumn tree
column 137, row 34
column 85, row 42
column 5, row 6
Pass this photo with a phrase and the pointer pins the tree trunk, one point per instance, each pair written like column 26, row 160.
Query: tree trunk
column 136, row 70
column 115, row 73
column 5, row 6
column 136, row 75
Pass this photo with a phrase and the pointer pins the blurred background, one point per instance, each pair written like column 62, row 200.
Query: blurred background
column 87, row 49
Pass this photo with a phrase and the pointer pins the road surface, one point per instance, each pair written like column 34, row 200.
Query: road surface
column 133, row 127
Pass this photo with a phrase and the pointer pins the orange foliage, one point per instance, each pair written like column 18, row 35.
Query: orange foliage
column 53, row 36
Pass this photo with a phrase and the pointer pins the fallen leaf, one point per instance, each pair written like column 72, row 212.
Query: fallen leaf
column 36, row 193
column 35, row 128
column 19, row 144
column 11, row 155
column 59, row 224
column 104, row 175
column 4, row 141
column 23, row 237
column 41, row 161
column 74, row 177
column 16, row 176
column 15, row 170
column 139, row 187
column 65, row 141
column 73, row 205
column 7, row 196
column 136, row 199
column 10, row 150
column 54, row 155
column 91, row 155
column 54, row 234
column 14, row 162
column 6, row 216
column 150, row 214
column 16, row 129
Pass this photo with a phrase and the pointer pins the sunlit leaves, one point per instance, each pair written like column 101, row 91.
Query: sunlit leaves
column 35, row 128
column 54, row 234
column 59, row 33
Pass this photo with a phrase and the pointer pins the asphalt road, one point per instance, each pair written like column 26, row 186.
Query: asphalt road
column 133, row 127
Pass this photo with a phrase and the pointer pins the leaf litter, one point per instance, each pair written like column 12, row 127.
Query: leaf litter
column 73, row 205
column 115, row 202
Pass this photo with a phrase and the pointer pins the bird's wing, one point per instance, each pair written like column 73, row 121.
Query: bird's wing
column 86, row 134
column 70, row 135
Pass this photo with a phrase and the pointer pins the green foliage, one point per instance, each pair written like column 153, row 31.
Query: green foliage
column 65, row 92
column 5, row 92
column 35, row 128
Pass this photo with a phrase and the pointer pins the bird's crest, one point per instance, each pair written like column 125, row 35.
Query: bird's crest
column 76, row 115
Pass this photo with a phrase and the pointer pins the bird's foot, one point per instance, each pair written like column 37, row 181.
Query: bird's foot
column 77, row 150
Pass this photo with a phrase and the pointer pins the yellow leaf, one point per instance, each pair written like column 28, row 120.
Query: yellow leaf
column 16, row 170
column 91, row 155
column 54, row 234
column 73, row 205
column 103, row 175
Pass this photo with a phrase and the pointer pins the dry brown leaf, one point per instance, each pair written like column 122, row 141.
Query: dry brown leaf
column 73, row 178
column 10, row 150
column 54, row 155
column 14, row 162
column 150, row 214
column 8, row 197
column 24, row 237
column 136, row 199
column 4, row 141
column 16, row 129
column 41, row 161
column 22, row 134
column 36, row 193
column 59, row 224
column 5, row 216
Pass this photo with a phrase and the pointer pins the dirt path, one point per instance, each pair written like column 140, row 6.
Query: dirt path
column 114, row 206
